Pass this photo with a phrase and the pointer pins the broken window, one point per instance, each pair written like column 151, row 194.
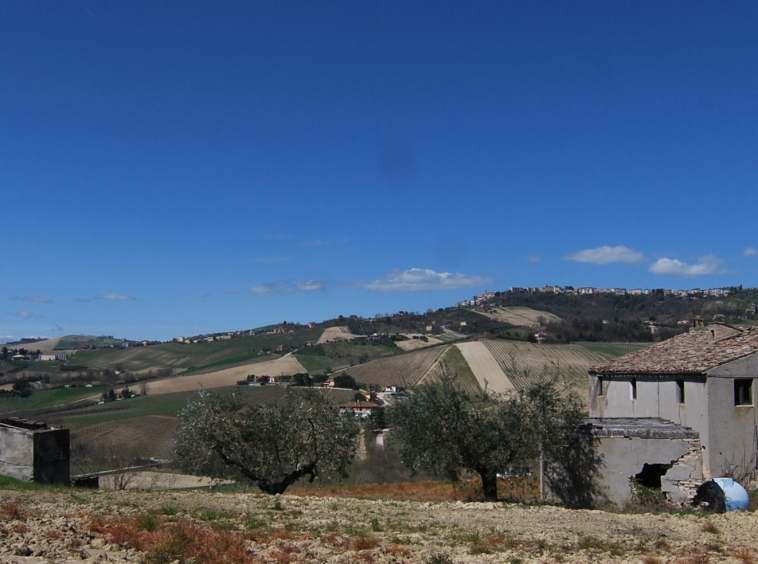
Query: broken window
column 743, row 391
column 633, row 388
column 680, row 391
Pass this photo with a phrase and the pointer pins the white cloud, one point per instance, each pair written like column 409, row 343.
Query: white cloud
column 533, row 258
column 5, row 338
column 34, row 299
column 24, row 314
column 751, row 252
column 311, row 285
column 706, row 265
column 261, row 291
column 113, row 297
column 607, row 255
column 422, row 280
column 286, row 287
column 58, row 328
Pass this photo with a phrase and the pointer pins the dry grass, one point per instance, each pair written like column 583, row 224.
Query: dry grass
column 521, row 489
column 364, row 543
column 178, row 541
column 11, row 511
column 744, row 554
column 398, row 550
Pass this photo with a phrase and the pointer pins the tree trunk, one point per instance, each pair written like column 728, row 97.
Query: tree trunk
column 489, row 484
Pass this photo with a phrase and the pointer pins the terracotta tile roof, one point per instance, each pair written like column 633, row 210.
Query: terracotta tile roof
column 360, row 405
column 690, row 353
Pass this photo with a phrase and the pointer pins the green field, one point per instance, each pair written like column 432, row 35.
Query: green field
column 404, row 370
column 141, row 406
column 342, row 354
column 77, row 341
column 452, row 363
column 47, row 399
column 192, row 357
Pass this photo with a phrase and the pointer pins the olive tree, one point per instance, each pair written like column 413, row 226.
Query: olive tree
column 443, row 429
column 272, row 445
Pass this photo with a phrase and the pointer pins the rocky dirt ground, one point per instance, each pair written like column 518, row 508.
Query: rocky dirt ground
column 64, row 526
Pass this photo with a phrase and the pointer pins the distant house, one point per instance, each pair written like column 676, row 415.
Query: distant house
column 688, row 407
column 362, row 409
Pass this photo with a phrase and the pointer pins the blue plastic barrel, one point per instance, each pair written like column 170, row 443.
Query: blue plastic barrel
column 737, row 497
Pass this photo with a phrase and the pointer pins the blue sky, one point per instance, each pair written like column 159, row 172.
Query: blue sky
column 175, row 167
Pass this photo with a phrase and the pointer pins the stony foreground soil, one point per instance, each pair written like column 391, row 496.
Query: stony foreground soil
column 174, row 527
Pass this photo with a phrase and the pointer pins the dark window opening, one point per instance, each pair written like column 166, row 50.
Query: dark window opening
column 633, row 383
column 600, row 384
column 743, row 391
column 680, row 391
column 651, row 475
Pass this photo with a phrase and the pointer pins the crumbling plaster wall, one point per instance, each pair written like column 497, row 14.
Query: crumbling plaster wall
column 16, row 453
column 625, row 457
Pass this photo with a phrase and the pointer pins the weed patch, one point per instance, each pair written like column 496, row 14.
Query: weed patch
column 12, row 511
column 745, row 555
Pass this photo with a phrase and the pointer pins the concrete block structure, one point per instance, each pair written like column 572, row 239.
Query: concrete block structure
column 33, row 452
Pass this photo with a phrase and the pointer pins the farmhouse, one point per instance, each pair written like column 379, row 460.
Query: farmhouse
column 679, row 412
column 361, row 409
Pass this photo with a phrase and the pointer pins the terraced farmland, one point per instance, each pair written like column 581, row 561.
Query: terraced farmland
column 522, row 362
column 489, row 373
column 150, row 436
column 336, row 334
column 404, row 370
column 452, row 362
column 521, row 316
column 449, row 336
column 613, row 350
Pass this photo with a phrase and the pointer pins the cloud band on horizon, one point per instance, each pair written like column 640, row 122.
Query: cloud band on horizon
column 607, row 255
column 113, row 297
column 287, row 287
column 422, row 280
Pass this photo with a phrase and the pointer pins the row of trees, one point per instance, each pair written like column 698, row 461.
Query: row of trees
column 440, row 429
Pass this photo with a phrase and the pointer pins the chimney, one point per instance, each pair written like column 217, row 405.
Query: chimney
column 697, row 322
